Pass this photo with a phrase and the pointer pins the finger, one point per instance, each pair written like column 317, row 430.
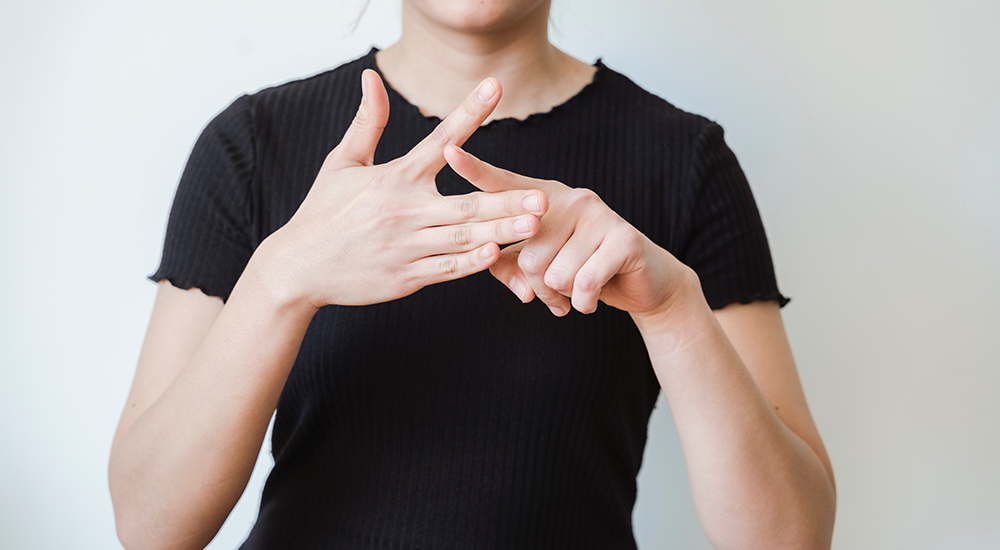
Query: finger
column 357, row 148
column 478, row 206
column 562, row 271
column 507, row 272
column 534, row 260
column 459, row 238
column 447, row 267
column 484, row 175
column 428, row 155
column 602, row 265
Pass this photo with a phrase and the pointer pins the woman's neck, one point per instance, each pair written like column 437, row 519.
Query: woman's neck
column 435, row 67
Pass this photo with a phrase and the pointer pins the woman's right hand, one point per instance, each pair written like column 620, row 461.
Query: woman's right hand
column 367, row 234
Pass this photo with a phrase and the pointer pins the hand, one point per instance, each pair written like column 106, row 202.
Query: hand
column 583, row 251
column 366, row 234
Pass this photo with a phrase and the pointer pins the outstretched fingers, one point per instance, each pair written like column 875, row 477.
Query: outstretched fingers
column 357, row 148
column 461, row 237
column 428, row 155
column 478, row 206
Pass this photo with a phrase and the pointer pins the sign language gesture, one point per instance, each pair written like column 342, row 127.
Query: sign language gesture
column 583, row 251
column 366, row 234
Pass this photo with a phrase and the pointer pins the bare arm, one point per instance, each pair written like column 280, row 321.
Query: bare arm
column 759, row 473
column 184, row 457
column 209, row 375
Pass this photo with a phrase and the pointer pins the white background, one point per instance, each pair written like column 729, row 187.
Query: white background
column 869, row 129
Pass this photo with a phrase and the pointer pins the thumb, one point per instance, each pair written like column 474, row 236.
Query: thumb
column 506, row 270
column 357, row 148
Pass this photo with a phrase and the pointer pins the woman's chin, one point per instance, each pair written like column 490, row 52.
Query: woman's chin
column 479, row 15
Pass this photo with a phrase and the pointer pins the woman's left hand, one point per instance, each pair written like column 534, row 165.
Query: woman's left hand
column 583, row 251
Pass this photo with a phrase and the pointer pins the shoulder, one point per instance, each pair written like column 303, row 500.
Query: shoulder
column 649, row 113
column 313, row 88
column 321, row 103
column 303, row 102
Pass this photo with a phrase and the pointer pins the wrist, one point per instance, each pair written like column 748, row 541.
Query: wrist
column 267, row 279
column 682, row 311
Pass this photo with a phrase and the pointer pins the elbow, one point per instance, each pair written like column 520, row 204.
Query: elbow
column 810, row 526
column 802, row 520
column 138, row 525
column 136, row 534
column 131, row 532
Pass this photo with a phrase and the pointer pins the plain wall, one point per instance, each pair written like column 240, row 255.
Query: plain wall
column 870, row 132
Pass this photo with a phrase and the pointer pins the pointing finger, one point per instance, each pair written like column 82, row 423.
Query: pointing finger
column 484, row 175
column 428, row 155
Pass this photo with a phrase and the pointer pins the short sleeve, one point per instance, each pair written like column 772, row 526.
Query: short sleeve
column 725, row 243
column 208, row 241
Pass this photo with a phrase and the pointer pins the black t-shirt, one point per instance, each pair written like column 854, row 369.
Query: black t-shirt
column 459, row 417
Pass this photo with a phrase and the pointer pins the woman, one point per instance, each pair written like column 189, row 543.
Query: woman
column 451, row 415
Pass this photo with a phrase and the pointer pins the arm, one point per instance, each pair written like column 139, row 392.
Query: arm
column 760, row 476
column 208, row 379
column 210, row 375
column 759, row 473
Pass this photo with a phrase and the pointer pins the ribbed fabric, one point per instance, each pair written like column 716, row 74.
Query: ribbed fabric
column 458, row 417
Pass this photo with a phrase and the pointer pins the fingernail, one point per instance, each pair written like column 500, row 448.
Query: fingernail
column 486, row 91
column 556, row 311
column 486, row 252
column 364, row 88
column 531, row 203
column 521, row 226
column 517, row 285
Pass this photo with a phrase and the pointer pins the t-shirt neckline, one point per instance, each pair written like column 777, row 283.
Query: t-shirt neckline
column 579, row 96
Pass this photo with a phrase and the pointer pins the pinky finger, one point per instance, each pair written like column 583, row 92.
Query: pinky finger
column 604, row 264
column 448, row 267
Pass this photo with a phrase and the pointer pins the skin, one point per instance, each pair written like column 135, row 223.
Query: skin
column 209, row 375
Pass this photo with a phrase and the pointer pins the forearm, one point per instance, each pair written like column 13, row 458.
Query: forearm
column 756, row 484
column 179, row 469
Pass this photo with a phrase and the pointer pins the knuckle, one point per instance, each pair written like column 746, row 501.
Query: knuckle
column 498, row 231
column 469, row 110
column 583, row 197
column 401, row 276
column 556, row 278
column 441, row 134
column 585, row 283
column 448, row 265
column 361, row 118
column 461, row 236
column 530, row 261
column 468, row 207
column 386, row 176
column 633, row 237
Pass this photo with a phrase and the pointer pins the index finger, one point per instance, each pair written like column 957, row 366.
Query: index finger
column 428, row 155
